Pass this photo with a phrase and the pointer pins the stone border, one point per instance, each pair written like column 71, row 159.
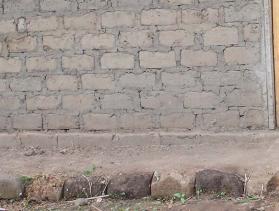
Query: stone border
column 115, row 140
column 134, row 185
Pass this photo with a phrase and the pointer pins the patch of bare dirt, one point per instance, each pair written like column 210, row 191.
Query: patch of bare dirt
column 203, row 204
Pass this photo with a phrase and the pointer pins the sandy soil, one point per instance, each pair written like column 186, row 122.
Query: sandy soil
column 202, row 204
column 260, row 159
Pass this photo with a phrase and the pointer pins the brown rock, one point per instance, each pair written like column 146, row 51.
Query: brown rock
column 45, row 188
column 166, row 185
column 84, row 187
column 272, row 187
column 10, row 187
column 131, row 186
column 212, row 181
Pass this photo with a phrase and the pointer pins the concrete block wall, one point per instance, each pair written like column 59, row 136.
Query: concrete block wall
column 128, row 65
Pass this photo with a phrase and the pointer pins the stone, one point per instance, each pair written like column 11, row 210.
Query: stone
column 198, row 99
column 144, row 80
column 62, row 82
column 42, row 102
column 11, row 187
column 117, row 61
column 26, row 84
column 176, row 38
column 242, row 55
column 84, row 187
column 221, row 36
column 165, row 185
column 62, row 121
column 11, row 65
column 178, row 120
column 213, row 181
column 22, row 44
column 118, row 18
column 101, row 41
column 9, row 103
column 82, row 102
column 79, row 62
column 136, row 121
column 198, row 58
column 20, row 6
column 272, row 187
column 192, row 16
column 131, row 186
column 249, row 12
column 58, row 5
column 157, row 59
column 158, row 17
column 136, row 38
column 161, row 101
column 132, row 4
column 97, row 81
column 99, row 121
column 7, row 26
column 118, row 101
column 42, row 24
column 41, row 64
column 65, row 42
column 45, row 188
column 28, row 122
column 84, row 22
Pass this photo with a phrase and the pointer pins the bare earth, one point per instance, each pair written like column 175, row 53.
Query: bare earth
column 256, row 157
column 203, row 204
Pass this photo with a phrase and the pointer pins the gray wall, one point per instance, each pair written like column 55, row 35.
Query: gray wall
column 129, row 65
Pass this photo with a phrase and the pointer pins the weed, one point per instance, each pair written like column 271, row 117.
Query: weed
column 25, row 180
column 248, row 199
column 221, row 195
column 199, row 192
column 180, row 197
column 88, row 172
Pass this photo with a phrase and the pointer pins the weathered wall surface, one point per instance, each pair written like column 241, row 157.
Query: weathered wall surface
column 106, row 65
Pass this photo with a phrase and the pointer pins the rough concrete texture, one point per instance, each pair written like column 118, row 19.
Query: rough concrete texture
column 11, row 187
column 132, row 65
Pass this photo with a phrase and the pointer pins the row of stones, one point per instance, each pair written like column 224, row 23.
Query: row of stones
column 18, row 7
column 90, row 21
column 58, row 6
column 131, row 186
column 147, row 59
column 172, row 118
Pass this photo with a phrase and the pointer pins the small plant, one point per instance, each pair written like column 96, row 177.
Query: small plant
column 199, row 192
column 88, row 172
column 249, row 198
column 180, row 197
column 221, row 195
column 118, row 195
column 25, row 180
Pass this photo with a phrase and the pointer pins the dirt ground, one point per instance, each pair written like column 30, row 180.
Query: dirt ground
column 257, row 158
column 202, row 204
